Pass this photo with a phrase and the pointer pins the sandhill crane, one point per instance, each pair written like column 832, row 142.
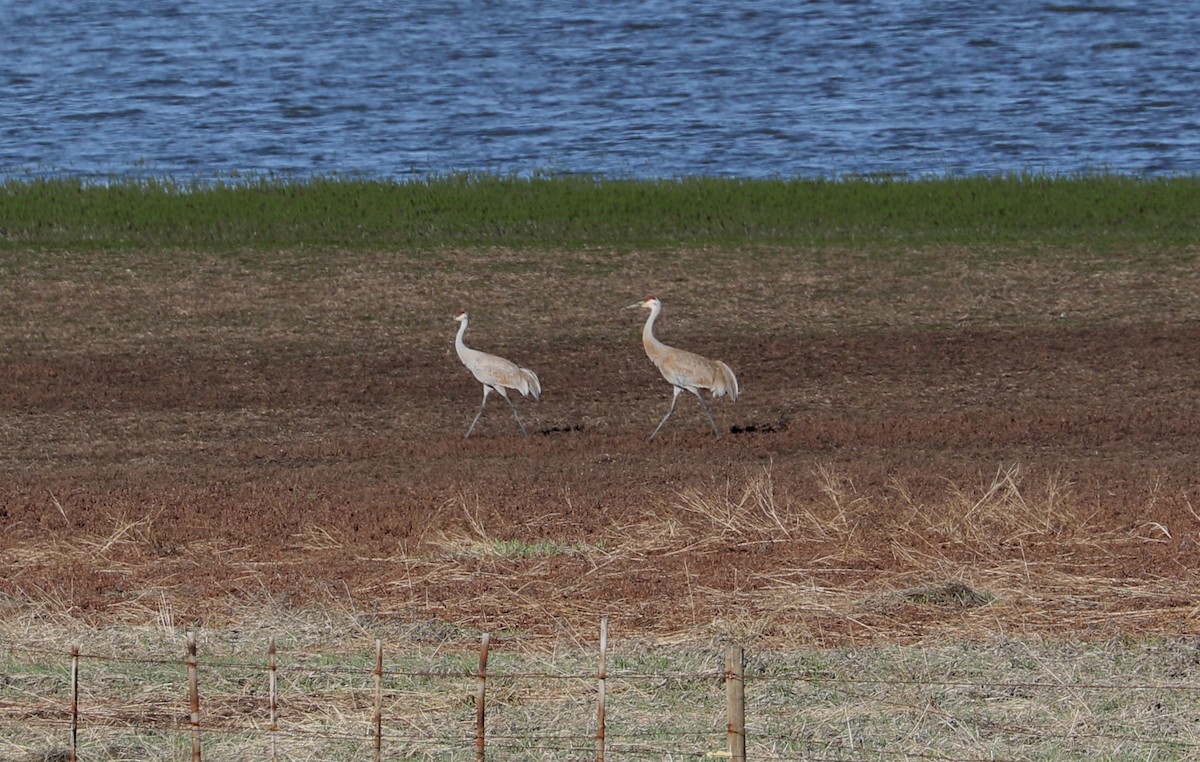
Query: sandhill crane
column 685, row 370
column 496, row 374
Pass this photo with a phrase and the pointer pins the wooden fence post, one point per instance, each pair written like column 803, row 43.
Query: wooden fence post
column 601, row 677
column 481, row 699
column 273, row 698
column 74, row 756
column 194, row 693
column 378, row 700
column 735, row 702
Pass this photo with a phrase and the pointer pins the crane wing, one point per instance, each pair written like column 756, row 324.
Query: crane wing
column 692, row 371
column 497, row 372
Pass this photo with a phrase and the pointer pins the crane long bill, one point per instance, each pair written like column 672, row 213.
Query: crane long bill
column 633, row 306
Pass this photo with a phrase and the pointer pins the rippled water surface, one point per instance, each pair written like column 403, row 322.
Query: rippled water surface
column 659, row 88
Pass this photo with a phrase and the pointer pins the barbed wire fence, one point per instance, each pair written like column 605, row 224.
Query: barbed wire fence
column 302, row 706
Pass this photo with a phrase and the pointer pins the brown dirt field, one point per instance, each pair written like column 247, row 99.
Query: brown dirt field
column 961, row 448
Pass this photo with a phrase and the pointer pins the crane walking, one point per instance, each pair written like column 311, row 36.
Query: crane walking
column 684, row 370
column 496, row 374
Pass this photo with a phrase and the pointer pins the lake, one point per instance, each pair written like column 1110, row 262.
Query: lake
column 661, row 88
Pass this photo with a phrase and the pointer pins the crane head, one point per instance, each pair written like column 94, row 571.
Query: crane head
column 460, row 316
column 646, row 303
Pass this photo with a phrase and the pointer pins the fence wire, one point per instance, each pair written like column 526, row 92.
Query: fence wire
column 326, row 710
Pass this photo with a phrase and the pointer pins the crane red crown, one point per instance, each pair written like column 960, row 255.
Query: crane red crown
column 460, row 313
column 648, row 298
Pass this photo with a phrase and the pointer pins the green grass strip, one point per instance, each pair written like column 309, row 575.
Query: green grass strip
column 268, row 212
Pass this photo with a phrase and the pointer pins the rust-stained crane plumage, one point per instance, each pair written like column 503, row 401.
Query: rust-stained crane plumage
column 685, row 370
column 496, row 374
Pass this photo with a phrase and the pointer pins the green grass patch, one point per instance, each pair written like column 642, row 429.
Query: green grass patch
column 472, row 210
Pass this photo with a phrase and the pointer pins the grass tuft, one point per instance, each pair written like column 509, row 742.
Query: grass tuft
column 952, row 594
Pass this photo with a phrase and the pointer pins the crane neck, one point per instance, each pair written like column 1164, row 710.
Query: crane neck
column 648, row 337
column 458, row 339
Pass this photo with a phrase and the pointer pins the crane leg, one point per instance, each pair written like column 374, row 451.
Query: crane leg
column 671, row 409
column 514, row 409
column 708, row 412
column 486, row 391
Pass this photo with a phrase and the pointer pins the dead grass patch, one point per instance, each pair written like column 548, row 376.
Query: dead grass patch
column 1008, row 554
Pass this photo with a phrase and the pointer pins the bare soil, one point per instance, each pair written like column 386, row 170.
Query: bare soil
column 1008, row 450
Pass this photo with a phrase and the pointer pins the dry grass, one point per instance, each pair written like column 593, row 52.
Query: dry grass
column 1025, row 698
column 1008, row 557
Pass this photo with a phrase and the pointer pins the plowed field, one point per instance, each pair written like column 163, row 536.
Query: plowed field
column 947, row 448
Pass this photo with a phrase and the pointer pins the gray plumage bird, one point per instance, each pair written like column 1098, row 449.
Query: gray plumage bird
column 685, row 370
column 496, row 374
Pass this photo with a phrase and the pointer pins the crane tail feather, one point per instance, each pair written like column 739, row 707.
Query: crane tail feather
column 531, row 384
column 730, row 385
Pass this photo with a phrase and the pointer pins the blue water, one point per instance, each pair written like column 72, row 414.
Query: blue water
column 660, row 88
